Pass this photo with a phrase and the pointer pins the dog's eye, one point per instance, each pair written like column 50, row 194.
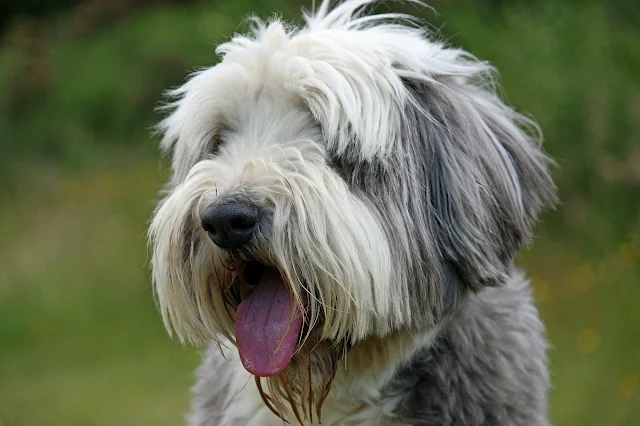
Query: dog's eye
column 217, row 139
column 213, row 147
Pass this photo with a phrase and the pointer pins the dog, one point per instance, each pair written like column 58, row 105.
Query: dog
column 346, row 202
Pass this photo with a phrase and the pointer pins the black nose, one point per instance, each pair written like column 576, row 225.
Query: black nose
column 230, row 225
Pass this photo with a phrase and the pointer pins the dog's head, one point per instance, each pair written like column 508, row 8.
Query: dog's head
column 348, row 179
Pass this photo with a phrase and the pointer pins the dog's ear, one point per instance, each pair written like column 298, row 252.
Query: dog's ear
column 485, row 173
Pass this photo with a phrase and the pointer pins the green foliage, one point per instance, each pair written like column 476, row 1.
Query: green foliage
column 578, row 74
column 67, row 98
column 12, row 8
column 80, row 339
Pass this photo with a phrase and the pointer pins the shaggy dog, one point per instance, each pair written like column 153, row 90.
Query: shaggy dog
column 346, row 204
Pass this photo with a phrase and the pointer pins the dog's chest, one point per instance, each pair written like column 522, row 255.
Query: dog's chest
column 351, row 412
column 360, row 405
column 357, row 404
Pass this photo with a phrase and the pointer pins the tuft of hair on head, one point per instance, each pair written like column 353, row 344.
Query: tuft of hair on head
column 468, row 169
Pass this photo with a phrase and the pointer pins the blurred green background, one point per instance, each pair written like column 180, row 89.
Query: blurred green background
column 81, row 342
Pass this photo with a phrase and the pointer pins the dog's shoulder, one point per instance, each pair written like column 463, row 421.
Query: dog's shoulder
column 488, row 365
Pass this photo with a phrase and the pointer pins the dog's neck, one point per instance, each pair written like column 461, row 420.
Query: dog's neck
column 363, row 372
column 379, row 357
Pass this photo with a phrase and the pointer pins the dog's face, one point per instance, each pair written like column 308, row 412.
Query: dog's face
column 342, row 181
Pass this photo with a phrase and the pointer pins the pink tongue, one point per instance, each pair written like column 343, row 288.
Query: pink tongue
column 266, row 333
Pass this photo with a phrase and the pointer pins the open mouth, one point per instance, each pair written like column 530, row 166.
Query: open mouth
column 268, row 322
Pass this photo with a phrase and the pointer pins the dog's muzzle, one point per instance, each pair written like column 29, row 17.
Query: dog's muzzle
column 268, row 322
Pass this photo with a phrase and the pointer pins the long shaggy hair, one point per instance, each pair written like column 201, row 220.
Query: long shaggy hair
column 394, row 188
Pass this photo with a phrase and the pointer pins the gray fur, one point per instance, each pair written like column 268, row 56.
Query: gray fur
column 487, row 367
column 468, row 183
column 211, row 392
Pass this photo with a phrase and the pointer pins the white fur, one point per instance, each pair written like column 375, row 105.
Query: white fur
column 317, row 223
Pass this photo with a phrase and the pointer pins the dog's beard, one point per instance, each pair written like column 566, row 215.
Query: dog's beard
column 300, row 390
column 301, row 387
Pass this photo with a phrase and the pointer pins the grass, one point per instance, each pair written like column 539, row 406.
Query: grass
column 81, row 342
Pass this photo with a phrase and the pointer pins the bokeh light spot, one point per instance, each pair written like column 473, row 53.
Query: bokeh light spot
column 589, row 341
column 583, row 278
column 628, row 254
column 540, row 289
column 628, row 386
